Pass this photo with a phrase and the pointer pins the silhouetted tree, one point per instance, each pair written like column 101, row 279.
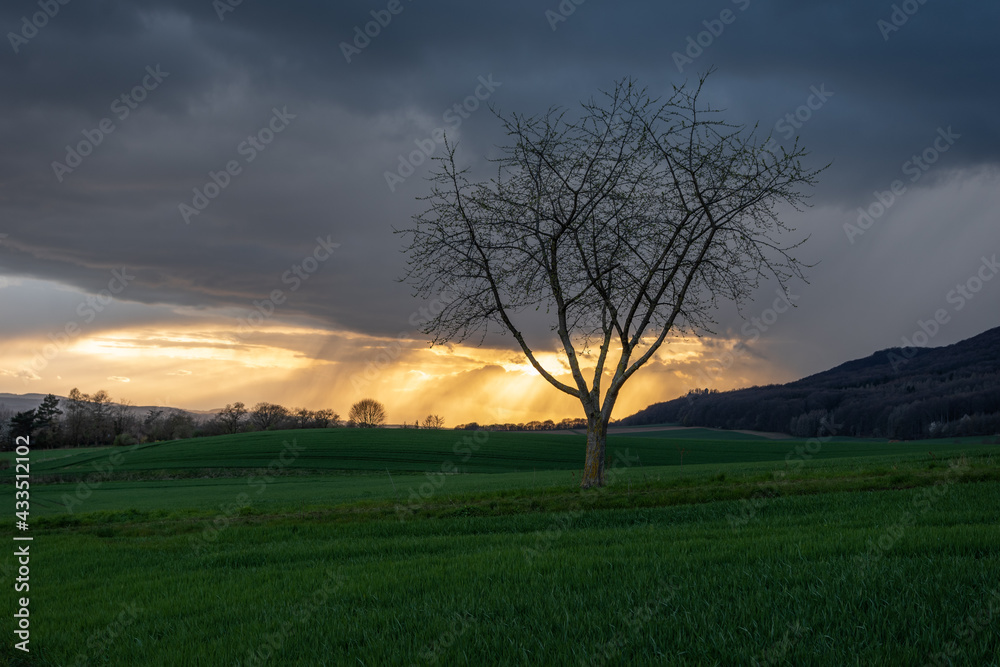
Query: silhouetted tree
column 22, row 424
column 123, row 418
column 325, row 419
column 47, row 422
column 76, row 417
column 367, row 413
column 266, row 416
column 625, row 224
column 232, row 417
column 433, row 421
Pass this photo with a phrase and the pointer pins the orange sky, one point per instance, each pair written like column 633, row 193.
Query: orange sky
column 206, row 364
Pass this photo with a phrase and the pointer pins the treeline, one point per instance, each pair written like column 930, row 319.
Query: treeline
column 547, row 425
column 96, row 420
column 899, row 394
column 238, row 418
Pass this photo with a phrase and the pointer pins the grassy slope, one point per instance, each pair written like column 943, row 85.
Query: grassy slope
column 506, row 568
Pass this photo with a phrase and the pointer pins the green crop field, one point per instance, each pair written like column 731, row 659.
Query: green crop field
column 386, row 547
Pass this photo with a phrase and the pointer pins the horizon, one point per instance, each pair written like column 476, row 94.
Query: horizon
column 392, row 423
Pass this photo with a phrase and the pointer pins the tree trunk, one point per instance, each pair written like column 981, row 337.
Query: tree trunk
column 593, row 468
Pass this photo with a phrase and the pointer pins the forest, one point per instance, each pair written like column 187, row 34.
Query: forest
column 897, row 393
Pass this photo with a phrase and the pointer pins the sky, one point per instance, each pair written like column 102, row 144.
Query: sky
column 197, row 198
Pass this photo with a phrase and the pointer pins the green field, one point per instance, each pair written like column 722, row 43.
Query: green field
column 352, row 547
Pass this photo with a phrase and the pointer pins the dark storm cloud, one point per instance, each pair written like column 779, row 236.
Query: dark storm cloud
column 323, row 176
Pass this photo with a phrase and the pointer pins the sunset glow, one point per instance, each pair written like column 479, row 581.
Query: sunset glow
column 206, row 364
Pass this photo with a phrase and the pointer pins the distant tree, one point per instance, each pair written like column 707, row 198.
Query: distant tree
column 77, row 424
column 173, row 425
column 22, row 424
column 178, row 425
column 48, row 412
column 433, row 421
column 99, row 407
column 367, row 413
column 325, row 419
column 266, row 416
column 300, row 418
column 151, row 424
column 47, row 424
column 232, row 417
column 123, row 418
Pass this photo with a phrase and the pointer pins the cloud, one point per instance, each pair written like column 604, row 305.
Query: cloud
column 23, row 374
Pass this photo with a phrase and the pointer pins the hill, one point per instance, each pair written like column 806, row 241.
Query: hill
column 900, row 393
column 22, row 402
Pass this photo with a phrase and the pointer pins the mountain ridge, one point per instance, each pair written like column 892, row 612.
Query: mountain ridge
column 896, row 392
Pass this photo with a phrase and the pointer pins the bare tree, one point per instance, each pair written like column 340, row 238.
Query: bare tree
column 99, row 408
column 232, row 417
column 267, row 415
column 301, row 417
column 76, row 416
column 433, row 421
column 325, row 418
column 123, row 418
column 625, row 224
column 367, row 413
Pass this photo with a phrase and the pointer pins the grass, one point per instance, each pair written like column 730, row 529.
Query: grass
column 347, row 450
column 864, row 553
